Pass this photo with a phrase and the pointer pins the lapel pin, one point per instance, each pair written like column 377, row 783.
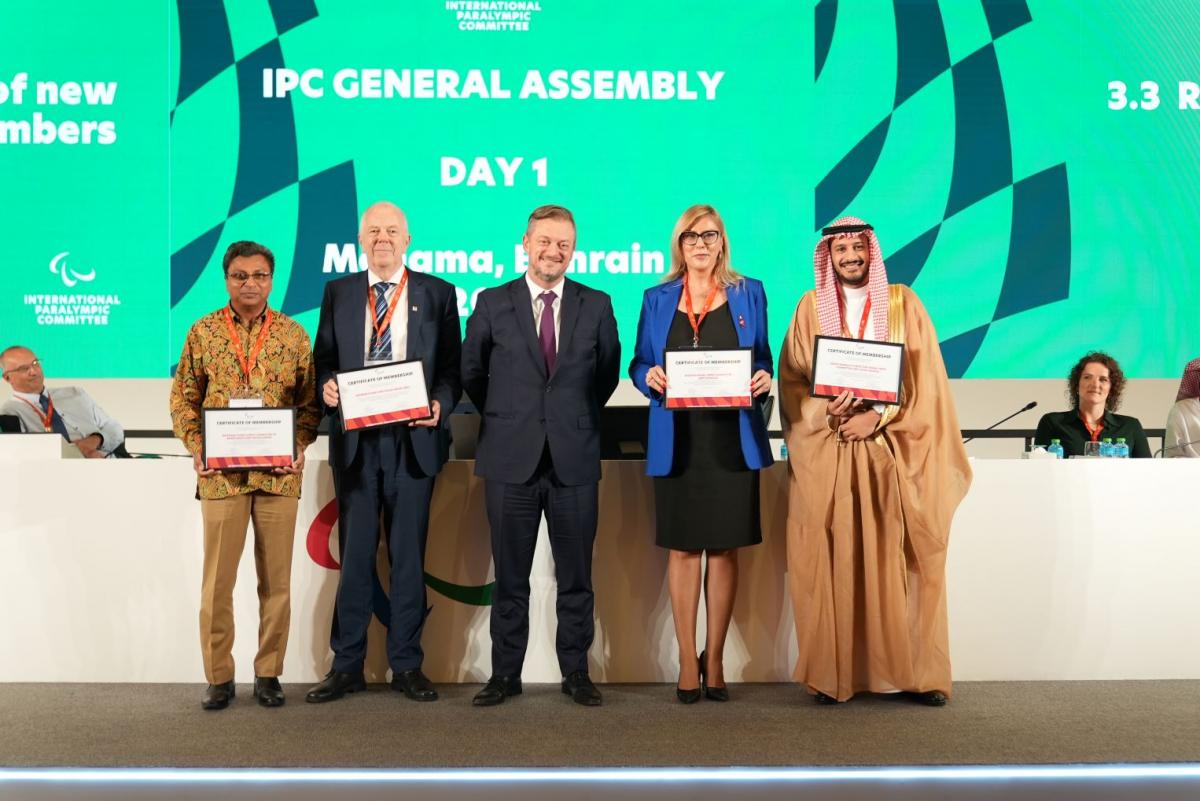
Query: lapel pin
column 741, row 321
column 414, row 308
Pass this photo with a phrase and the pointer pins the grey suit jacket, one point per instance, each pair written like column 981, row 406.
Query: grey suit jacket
column 79, row 412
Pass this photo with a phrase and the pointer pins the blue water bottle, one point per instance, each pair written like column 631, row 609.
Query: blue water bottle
column 1106, row 448
column 1055, row 448
column 1121, row 449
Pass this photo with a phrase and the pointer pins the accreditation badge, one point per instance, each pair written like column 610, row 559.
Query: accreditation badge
column 244, row 397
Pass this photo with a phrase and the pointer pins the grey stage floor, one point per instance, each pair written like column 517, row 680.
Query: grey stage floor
column 138, row 725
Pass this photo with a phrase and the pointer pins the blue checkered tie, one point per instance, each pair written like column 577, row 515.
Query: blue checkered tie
column 381, row 343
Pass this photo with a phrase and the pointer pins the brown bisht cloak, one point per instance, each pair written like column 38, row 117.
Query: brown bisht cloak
column 868, row 521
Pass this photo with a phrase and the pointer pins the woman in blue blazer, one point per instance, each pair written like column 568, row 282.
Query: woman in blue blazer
column 705, row 463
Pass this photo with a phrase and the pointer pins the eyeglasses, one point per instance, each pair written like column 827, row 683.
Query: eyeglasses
column 241, row 278
column 690, row 238
column 27, row 369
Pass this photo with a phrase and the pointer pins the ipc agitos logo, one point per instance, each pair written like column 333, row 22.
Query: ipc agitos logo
column 317, row 544
column 58, row 266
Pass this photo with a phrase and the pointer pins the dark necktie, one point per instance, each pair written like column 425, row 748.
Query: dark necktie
column 546, row 330
column 56, row 422
column 381, row 345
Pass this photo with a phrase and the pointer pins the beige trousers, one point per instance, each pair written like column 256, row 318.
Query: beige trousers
column 225, row 522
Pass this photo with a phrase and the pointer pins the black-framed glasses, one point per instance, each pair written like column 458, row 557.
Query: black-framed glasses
column 240, row 278
column 690, row 238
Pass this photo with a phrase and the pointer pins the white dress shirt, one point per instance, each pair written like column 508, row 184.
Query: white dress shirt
column 80, row 414
column 535, row 292
column 399, row 326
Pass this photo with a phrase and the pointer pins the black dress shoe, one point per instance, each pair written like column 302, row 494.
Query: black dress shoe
column 496, row 690
column 267, row 691
column 580, row 688
column 217, row 696
column 415, row 684
column 931, row 698
column 825, row 700
column 334, row 686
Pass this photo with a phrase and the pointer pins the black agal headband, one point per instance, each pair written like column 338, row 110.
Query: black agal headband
column 846, row 229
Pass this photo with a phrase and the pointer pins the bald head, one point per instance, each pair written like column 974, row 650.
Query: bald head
column 383, row 235
column 22, row 369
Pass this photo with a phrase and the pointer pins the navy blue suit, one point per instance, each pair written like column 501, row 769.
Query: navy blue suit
column 539, row 451
column 388, row 470
column 748, row 306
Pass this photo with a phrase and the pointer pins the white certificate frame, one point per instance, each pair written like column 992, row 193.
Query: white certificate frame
column 871, row 371
column 708, row 378
column 383, row 395
column 248, row 438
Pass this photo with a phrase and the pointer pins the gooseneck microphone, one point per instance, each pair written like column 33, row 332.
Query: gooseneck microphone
column 1024, row 408
column 1162, row 451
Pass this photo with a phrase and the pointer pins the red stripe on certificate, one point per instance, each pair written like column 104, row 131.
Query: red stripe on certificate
column 718, row 402
column 365, row 421
column 242, row 462
column 861, row 394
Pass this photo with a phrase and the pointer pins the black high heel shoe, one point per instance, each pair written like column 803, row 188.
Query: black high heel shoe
column 711, row 693
column 690, row 696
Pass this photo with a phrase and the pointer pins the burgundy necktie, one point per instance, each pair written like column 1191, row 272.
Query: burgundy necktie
column 546, row 330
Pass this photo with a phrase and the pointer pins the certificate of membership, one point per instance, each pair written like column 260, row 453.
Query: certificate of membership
column 869, row 370
column 708, row 378
column 383, row 394
column 247, row 438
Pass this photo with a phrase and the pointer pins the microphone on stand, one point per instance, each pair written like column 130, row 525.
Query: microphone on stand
column 1176, row 446
column 1024, row 408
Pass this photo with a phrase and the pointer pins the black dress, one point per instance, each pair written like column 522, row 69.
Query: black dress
column 709, row 500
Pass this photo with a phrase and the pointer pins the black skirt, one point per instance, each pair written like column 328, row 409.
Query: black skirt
column 709, row 501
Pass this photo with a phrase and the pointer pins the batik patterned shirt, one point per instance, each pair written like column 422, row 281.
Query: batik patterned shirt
column 210, row 373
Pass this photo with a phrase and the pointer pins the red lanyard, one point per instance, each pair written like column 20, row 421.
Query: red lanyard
column 862, row 324
column 48, row 417
column 1094, row 433
column 380, row 327
column 692, row 318
column 247, row 363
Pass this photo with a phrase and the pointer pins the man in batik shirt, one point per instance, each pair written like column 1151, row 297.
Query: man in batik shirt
column 246, row 354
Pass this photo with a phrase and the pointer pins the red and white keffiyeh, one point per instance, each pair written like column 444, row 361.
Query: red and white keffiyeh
column 1189, row 386
column 828, row 310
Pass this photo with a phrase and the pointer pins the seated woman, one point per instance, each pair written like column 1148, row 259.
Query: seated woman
column 1094, row 389
column 1183, row 421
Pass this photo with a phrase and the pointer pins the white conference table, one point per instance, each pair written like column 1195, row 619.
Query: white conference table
column 1057, row 570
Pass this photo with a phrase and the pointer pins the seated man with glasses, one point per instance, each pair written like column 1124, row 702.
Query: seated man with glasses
column 68, row 411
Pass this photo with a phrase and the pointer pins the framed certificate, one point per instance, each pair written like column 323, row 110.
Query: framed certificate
column 382, row 395
column 870, row 370
column 247, row 438
column 708, row 378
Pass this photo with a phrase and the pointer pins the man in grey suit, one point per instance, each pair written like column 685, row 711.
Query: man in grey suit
column 68, row 411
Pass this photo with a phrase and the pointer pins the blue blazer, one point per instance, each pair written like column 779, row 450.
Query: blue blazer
column 748, row 305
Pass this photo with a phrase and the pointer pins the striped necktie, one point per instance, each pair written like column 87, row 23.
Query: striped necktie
column 381, row 341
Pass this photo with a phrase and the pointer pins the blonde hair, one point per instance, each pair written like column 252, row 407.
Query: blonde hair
column 723, row 274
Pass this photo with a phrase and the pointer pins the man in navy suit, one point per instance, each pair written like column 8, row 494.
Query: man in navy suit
column 385, row 314
column 540, row 359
